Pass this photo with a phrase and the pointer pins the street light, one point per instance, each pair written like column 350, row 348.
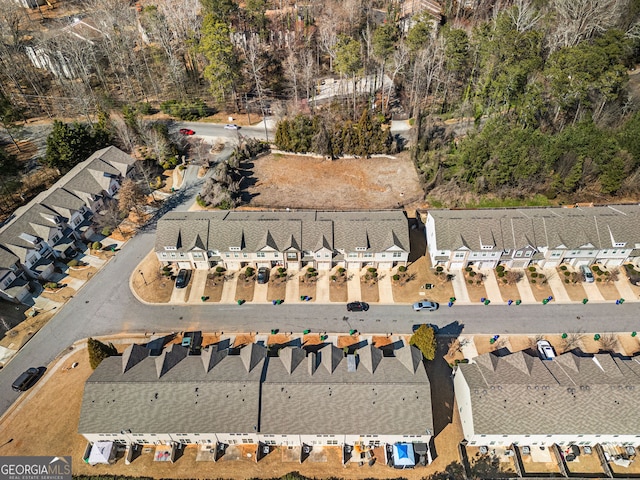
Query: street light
column 144, row 279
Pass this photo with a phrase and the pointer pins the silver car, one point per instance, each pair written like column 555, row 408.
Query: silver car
column 428, row 306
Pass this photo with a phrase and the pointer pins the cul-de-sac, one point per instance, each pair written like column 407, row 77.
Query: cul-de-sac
column 342, row 239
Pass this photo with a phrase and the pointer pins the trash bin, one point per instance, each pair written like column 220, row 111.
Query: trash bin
column 487, row 301
column 306, row 332
column 518, row 302
column 450, row 304
column 545, row 301
column 482, row 300
column 240, row 302
column 509, row 302
column 584, row 301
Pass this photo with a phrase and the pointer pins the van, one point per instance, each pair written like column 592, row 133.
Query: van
column 587, row 273
column 26, row 380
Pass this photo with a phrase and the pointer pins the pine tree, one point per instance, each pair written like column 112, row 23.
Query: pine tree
column 425, row 339
column 98, row 351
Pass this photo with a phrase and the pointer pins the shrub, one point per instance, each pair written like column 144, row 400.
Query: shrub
column 598, row 279
column 96, row 246
column 51, row 285
column 470, row 282
column 566, row 274
column 566, row 280
column 341, row 270
column 532, row 268
column 472, row 274
column 98, row 351
column 563, row 267
column 478, row 282
column 505, row 281
column 73, row 263
column 220, row 269
column 182, row 167
column 425, row 339
column 281, row 270
column 191, row 110
column 501, row 273
column 541, row 275
column 396, row 277
column 439, row 269
column 402, row 269
column 333, row 278
column 371, row 270
column 106, row 231
column 534, row 275
column 500, row 269
column 533, row 281
column 249, row 272
column 468, row 269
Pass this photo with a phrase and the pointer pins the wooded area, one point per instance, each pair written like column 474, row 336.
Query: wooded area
column 542, row 84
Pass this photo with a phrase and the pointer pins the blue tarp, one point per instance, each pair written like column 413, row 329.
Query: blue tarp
column 403, row 455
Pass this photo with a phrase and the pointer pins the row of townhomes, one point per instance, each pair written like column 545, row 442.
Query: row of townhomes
column 574, row 399
column 53, row 224
column 234, row 239
column 224, row 395
column 517, row 238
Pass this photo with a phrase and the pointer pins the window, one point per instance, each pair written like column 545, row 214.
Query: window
column 170, row 248
column 234, row 249
column 244, row 255
column 360, row 249
column 173, row 255
column 528, row 253
column 459, row 255
column 235, row 255
column 368, row 255
column 276, row 255
column 353, row 255
column 506, row 252
column 260, row 254
column 227, row 255
column 518, row 254
column 397, row 254
column 197, row 254
column 164, row 255
column 292, row 256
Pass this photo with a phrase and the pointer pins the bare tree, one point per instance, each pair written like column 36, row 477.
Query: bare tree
column 608, row 342
column 109, row 217
column 130, row 196
column 524, row 15
column 581, row 19
column 572, row 341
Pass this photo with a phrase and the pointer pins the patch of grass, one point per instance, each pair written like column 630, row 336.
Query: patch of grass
column 536, row 201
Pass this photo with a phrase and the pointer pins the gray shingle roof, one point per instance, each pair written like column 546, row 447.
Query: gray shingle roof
column 186, row 398
column 521, row 394
column 392, row 400
column 539, row 227
column 220, row 392
column 305, row 231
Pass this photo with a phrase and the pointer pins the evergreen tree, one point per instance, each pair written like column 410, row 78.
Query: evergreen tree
column 425, row 339
column 98, row 351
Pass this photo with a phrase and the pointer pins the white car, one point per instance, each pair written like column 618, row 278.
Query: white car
column 546, row 350
column 231, row 126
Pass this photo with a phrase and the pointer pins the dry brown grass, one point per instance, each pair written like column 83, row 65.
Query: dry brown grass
column 213, row 287
column 245, row 287
column 277, row 288
column 151, row 286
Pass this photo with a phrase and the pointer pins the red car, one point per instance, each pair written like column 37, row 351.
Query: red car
column 187, row 131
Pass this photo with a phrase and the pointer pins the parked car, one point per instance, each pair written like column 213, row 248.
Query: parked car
column 27, row 379
column 187, row 131
column 587, row 273
column 546, row 350
column 425, row 305
column 357, row 307
column 182, row 280
column 263, row 275
column 231, row 126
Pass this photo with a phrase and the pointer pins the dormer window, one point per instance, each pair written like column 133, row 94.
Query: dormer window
column 361, row 249
column 486, row 247
column 170, row 249
column 234, row 249
column 619, row 245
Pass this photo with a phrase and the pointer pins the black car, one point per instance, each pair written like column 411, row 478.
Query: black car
column 27, row 379
column 263, row 275
column 357, row 307
column 182, row 280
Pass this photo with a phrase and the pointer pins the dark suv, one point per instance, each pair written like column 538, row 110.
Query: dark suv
column 26, row 380
column 182, row 280
column 357, row 307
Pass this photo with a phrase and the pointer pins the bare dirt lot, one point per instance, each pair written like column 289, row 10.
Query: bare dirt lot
column 297, row 181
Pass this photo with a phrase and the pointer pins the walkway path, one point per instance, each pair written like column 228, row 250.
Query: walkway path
column 459, row 288
column 385, row 290
column 560, row 294
column 354, row 293
column 322, row 287
column 491, row 286
column 229, row 289
column 593, row 292
column 524, row 289
column 622, row 284
column 198, row 282
column 292, row 294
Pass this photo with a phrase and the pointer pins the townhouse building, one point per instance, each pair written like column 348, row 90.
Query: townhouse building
column 518, row 237
column 52, row 225
column 235, row 239
column 574, row 399
column 233, row 396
